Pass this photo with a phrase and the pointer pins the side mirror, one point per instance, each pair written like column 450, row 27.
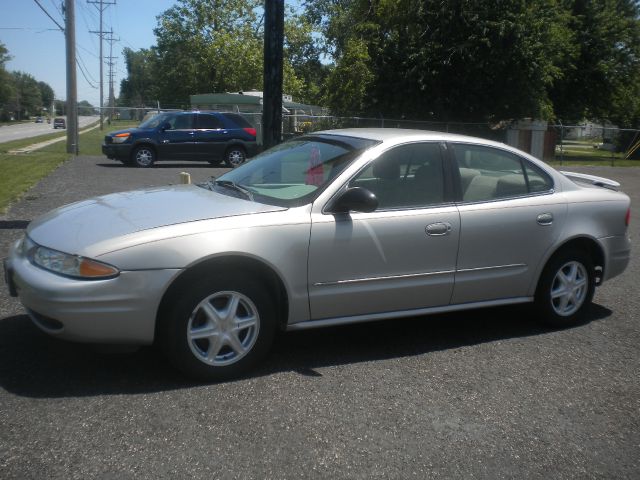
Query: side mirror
column 165, row 126
column 356, row 199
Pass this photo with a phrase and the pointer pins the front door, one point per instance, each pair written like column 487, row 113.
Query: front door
column 401, row 256
column 177, row 142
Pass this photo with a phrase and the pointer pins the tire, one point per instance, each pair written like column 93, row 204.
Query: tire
column 219, row 326
column 235, row 156
column 143, row 156
column 565, row 289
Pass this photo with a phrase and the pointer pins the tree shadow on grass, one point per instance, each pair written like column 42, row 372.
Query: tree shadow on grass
column 33, row 364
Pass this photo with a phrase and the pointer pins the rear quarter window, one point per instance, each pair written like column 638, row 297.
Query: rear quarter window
column 239, row 120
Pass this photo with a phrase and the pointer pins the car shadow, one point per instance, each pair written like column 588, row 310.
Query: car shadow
column 32, row 364
column 165, row 164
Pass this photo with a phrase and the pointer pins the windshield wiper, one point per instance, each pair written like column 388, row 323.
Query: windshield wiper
column 236, row 187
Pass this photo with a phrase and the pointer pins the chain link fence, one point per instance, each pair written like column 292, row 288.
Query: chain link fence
column 594, row 142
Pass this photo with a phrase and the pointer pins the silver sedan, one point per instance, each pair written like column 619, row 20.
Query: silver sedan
column 330, row 228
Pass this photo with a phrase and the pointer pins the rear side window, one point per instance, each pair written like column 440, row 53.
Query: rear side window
column 239, row 120
column 208, row 122
column 491, row 174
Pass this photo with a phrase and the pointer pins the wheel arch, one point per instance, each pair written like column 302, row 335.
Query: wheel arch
column 144, row 142
column 235, row 143
column 249, row 265
column 588, row 245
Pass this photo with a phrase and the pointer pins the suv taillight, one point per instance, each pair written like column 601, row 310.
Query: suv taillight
column 250, row 131
column 627, row 217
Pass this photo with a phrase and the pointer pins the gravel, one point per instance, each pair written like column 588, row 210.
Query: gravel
column 478, row 394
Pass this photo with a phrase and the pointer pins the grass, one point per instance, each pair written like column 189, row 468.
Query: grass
column 582, row 156
column 21, row 172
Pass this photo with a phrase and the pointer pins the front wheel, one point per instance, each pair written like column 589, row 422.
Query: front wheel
column 219, row 326
column 565, row 289
column 235, row 157
column 143, row 157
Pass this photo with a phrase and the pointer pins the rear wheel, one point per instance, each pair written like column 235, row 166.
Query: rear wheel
column 143, row 156
column 235, row 156
column 565, row 289
column 219, row 327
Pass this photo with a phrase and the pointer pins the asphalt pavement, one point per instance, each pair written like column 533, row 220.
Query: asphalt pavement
column 478, row 394
column 9, row 133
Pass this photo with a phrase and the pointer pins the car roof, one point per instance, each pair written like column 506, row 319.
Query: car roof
column 403, row 134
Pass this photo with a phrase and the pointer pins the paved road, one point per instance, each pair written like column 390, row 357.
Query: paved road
column 483, row 394
column 18, row 131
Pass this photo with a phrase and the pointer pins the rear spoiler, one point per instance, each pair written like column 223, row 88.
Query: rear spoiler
column 592, row 180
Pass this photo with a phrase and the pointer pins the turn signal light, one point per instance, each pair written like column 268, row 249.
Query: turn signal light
column 89, row 268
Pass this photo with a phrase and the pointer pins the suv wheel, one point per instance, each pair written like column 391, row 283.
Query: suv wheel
column 144, row 156
column 235, row 157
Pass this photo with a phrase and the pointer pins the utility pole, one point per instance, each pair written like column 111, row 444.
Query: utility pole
column 72, row 90
column 272, row 94
column 101, row 5
column 111, row 75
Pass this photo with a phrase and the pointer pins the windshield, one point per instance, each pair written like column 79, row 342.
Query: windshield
column 295, row 172
column 154, row 121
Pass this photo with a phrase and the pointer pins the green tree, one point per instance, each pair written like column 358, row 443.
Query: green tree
column 139, row 89
column 461, row 60
column 208, row 46
column 26, row 99
column 602, row 78
column 7, row 90
column 217, row 46
column 85, row 108
column 46, row 94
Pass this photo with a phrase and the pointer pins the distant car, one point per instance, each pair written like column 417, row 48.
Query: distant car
column 329, row 228
column 212, row 136
column 59, row 123
column 39, row 120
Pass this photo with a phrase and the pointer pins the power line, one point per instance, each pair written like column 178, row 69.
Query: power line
column 48, row 15
column 84, row 73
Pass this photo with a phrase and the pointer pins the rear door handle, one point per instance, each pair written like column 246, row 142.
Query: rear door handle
column 545, row 219
column 438, row 229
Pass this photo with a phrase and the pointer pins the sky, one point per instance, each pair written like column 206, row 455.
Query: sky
column 38, row 46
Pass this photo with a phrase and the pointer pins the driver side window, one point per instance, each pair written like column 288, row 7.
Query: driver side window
column 407, row 176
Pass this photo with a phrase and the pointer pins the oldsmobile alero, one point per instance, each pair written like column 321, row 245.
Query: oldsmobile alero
column 329, row 228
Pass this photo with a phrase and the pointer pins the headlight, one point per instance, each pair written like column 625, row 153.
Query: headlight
column 65, row 264
column 120, row 137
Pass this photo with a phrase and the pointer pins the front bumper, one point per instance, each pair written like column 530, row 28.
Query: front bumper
column 117, row 151
column 119, row 310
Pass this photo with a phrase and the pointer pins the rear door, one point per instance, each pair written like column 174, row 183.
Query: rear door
column 510, row 216
column 177, row 142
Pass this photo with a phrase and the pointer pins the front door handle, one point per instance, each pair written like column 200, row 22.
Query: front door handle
column 545, row 219
column 438, row 229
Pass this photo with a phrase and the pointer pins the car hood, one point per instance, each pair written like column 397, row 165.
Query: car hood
column 76, row 227
column 125, row 130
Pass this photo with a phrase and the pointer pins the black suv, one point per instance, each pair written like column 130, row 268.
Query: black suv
column 211, row 136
